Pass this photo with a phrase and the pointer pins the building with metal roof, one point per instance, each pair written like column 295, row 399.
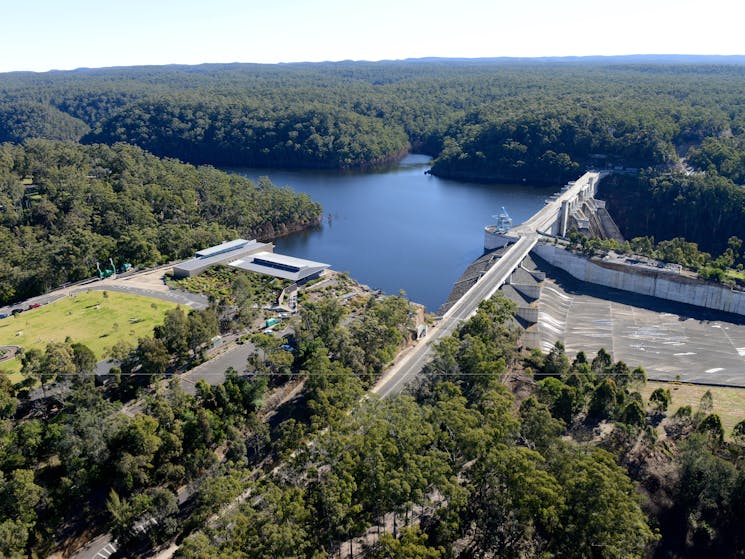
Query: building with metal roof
column 219, row 254
column 282, row 266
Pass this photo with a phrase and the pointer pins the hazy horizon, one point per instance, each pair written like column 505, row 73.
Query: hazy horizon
column 651, row 58
column 48, row 35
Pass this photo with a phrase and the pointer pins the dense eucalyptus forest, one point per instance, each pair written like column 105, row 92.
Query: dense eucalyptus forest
column 538, row 121
column 496, row 452
column 66, row 206
column 490, row 120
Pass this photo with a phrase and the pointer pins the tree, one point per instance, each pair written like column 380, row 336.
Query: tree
column 13, row 539
column 32, row 365
column 711, row 425
column 707, row 403
column 556, row 362
column 8, row 401
column 537, row 428
column 660, row 400
column 603, row 401
column 19, row 496
column 174, row 332
column 245, row 299
column 703, row 498
column 738, row 433
column 133, row 447
column 202, row 327
column 412, row 544
column 633, row 414
column 601, row 362
column 84, row 361
column 516, row 504
column 602, row 517
column 152, row 356
column 319, row 320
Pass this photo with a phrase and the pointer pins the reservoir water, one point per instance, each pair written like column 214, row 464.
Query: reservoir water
column 399, row 229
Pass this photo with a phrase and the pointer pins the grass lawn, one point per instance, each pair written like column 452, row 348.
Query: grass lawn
column 729, row 403
column 87, row 317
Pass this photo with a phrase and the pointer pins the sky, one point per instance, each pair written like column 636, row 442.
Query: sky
column 42, row 35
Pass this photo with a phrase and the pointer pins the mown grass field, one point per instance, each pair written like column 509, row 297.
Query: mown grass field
column 97, row 319
column 729, row 403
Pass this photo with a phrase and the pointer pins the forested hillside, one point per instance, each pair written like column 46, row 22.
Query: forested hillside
column 577, row 465
column 497, row 452
column 489, row 120
column 705, row 208
column 66, row 206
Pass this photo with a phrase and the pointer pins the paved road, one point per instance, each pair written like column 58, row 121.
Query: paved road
column 100, row 548
column 398, row 376
column 120, row 284
column 412, row 362
column 213, row 371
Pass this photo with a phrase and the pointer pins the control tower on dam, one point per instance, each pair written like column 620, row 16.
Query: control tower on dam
column 513, row 244
column 553, row 219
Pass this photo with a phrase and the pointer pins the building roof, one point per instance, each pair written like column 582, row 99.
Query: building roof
column 285, row 260
column 236, row 251
column 227, row 246
column 279, row 265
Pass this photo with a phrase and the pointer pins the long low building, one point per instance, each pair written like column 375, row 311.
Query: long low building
column 282, row 266
column 219, row 254
column 252, row 256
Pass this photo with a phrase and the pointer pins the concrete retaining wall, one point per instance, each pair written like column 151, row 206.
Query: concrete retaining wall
column 531, row 291
column 494, row 240
column 529, row 314
column 668, row 286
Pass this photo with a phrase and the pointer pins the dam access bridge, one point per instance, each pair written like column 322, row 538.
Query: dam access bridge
column 552, row 219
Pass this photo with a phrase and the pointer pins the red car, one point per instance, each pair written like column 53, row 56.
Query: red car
column 34, row 306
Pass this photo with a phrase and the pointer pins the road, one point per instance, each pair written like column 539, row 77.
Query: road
column 100, row 548
column 129, row 283
column 213, row 371
column 410, row 364
column 398, row 376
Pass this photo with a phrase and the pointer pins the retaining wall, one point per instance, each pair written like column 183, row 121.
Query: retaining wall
column 663, row 285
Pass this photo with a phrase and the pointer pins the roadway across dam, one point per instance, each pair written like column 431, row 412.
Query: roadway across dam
column 672, row 341
column 519, row 241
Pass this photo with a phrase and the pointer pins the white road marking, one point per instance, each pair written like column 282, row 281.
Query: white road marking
column 107, row 551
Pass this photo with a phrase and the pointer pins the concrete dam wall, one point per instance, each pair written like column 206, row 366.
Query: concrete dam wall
column 664, row 285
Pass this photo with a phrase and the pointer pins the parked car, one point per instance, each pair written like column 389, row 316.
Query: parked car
column 34, row 306
column 16, row 311
column 2, row 315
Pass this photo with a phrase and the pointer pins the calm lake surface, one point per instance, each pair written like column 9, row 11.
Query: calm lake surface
column 400, row 229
